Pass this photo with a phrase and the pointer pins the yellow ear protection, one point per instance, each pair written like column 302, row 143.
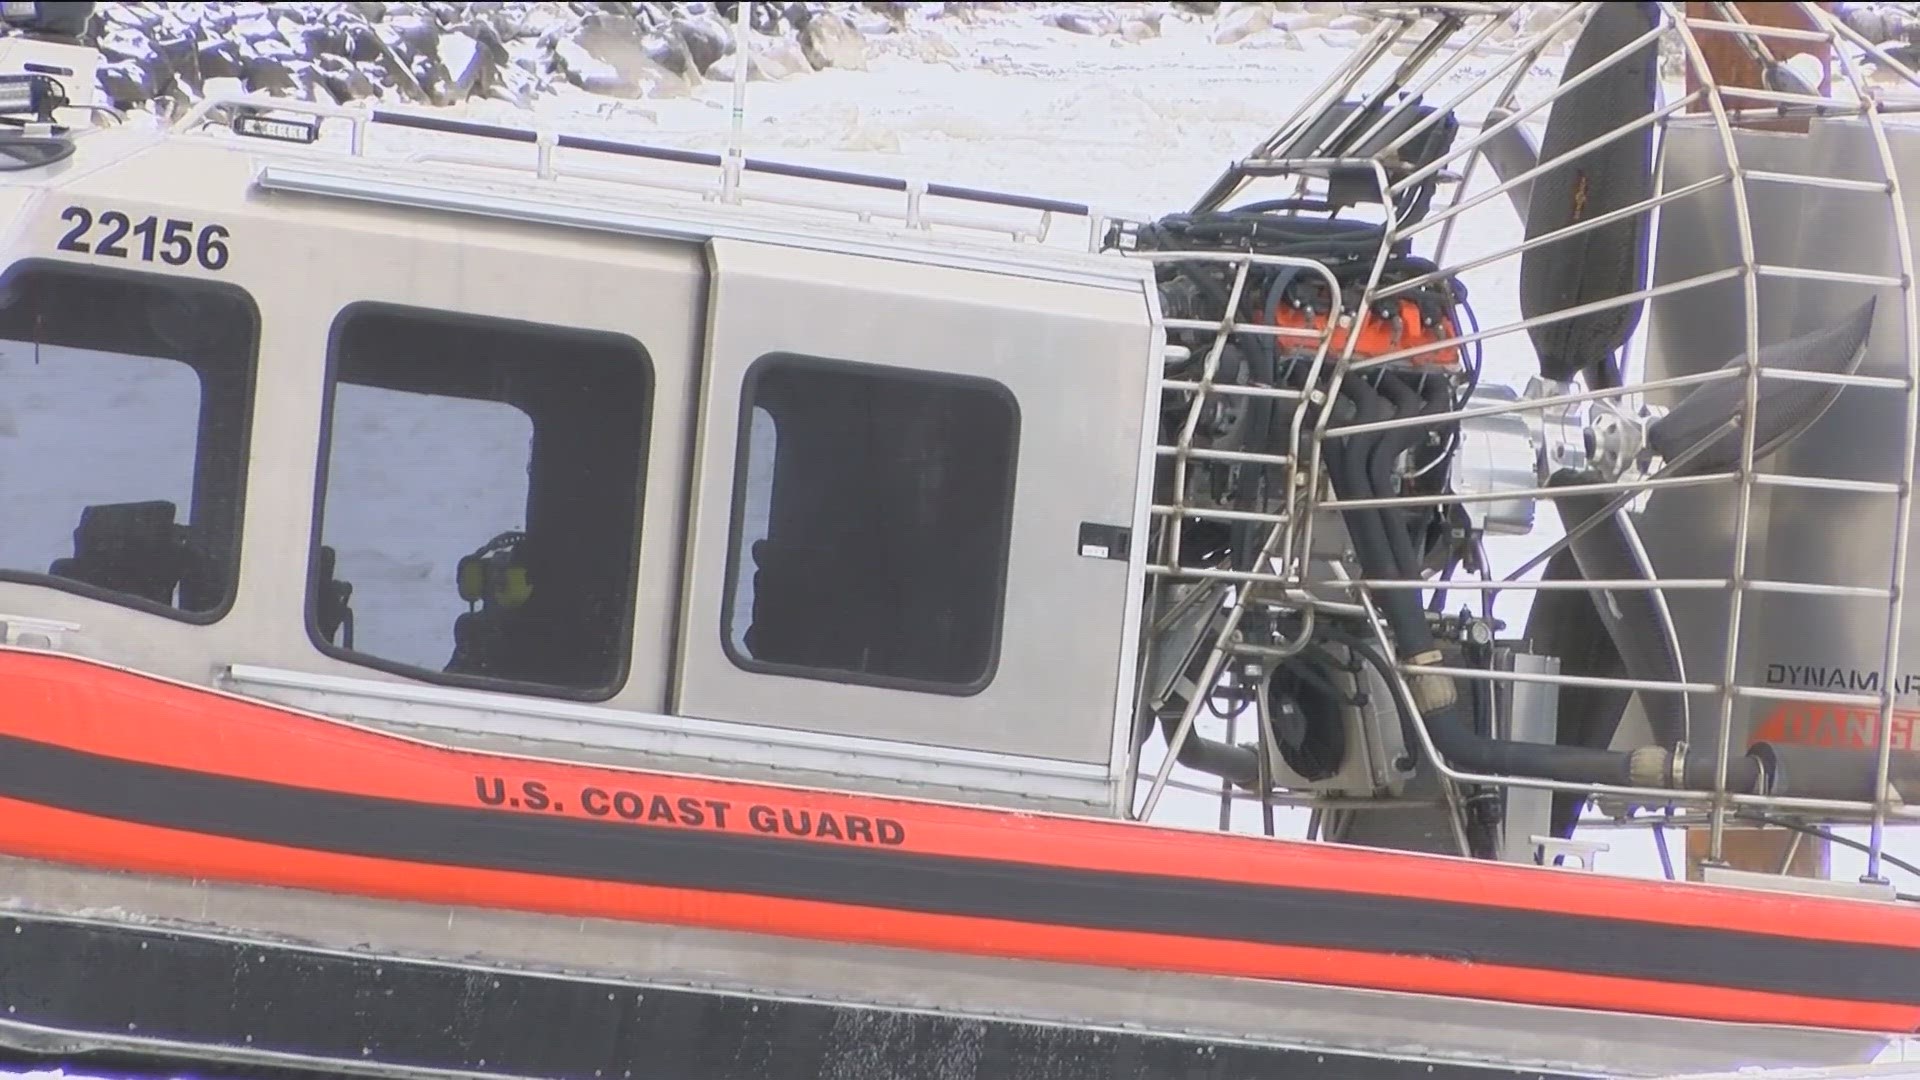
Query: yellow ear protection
column 493, row 574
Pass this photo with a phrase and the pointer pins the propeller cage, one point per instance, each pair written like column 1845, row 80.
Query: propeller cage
column 1659, row 277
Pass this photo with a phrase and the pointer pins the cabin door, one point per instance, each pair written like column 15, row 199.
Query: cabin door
column 914, row 500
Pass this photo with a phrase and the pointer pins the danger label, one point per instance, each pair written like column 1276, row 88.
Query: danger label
column 620, row 804
column 1814, row 724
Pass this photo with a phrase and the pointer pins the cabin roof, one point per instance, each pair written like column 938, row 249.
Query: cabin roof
column 508, row 176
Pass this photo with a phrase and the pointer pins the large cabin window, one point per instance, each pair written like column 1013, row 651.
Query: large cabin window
column 125, row 405
column 872, row 509
column 479, row 507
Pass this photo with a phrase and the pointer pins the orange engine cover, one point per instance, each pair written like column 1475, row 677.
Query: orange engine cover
column 1380, row 337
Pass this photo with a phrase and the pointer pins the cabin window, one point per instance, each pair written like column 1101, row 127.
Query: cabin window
column 479, row 505
column 872, row 507
column 125, row 405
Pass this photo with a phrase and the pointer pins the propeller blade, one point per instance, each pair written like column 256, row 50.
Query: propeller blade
column 1610, row 261
column 1635, row 619
column 1785, row 408
column 1566, row 624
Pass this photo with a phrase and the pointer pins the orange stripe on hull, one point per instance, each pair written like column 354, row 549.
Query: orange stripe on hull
column 39, row 832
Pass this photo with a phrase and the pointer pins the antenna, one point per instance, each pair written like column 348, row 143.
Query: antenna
column 736, row 154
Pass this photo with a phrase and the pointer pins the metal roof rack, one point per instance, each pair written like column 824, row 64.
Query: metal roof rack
column 913, row 213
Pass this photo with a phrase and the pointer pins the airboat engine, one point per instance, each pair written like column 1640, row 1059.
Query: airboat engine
column 1679, row 314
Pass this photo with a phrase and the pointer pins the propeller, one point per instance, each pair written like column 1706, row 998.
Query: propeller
column 1611, row 260
column 1697, row 427
column 1594, row 265
column 1629, row 631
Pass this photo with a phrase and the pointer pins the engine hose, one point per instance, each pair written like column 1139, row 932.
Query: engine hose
column 1371, row 656
column 1311, row 666
column 1386, row 452
column 1368, row 530
column 1257, row 436
column 1465, row 749
column 1235, row 764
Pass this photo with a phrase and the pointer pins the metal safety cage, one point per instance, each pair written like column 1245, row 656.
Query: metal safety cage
column 1666, row 126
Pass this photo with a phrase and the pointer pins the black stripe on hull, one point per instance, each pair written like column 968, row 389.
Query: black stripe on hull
column 946, row 885
column 240, row 1001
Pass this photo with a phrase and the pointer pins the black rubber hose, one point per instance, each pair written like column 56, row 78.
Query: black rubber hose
column 1398, row 522
column 1371, row 656
column 1368, row 530
column 1464, row 749
column 1257, row 437
column 1236, row 764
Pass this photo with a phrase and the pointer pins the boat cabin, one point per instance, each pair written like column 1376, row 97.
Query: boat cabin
column 506, row 454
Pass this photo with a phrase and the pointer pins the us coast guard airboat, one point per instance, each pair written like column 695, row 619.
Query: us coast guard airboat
column 484, row 601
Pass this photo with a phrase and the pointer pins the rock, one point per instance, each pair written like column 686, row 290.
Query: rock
column 218, row 60
column 1083, row 21
column 516, row 87
column 1303, row 20
column 895, row 12
column 1140, row 29
column 1544, row 16
column 181, row 56
column 666, row 49
column 1240, row 22
column 378, row 75
column 539, row 22
column 706, row 39
column 1350, row 22
column 133, row 16
column 1340, row 39
column 611, row 57
column 397, row 70
column 830, row 41
column 267, row 75
column 467, row 68
column 252, row 30
column 769, row 59
column 1865, row 20
column 126, row 83
column 410, row 35
column 344, row 81
column 120, row 43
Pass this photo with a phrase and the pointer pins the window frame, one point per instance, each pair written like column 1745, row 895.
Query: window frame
column 242, row 475
column 628, row 620
column 743, row 439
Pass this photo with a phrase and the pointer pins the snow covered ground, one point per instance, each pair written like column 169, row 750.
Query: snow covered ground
column 1005, row 103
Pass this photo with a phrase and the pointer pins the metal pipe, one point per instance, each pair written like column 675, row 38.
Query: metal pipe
column 1567, row 87
column 1742, row 527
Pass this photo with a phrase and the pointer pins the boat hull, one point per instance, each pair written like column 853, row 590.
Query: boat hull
column 133, row 806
